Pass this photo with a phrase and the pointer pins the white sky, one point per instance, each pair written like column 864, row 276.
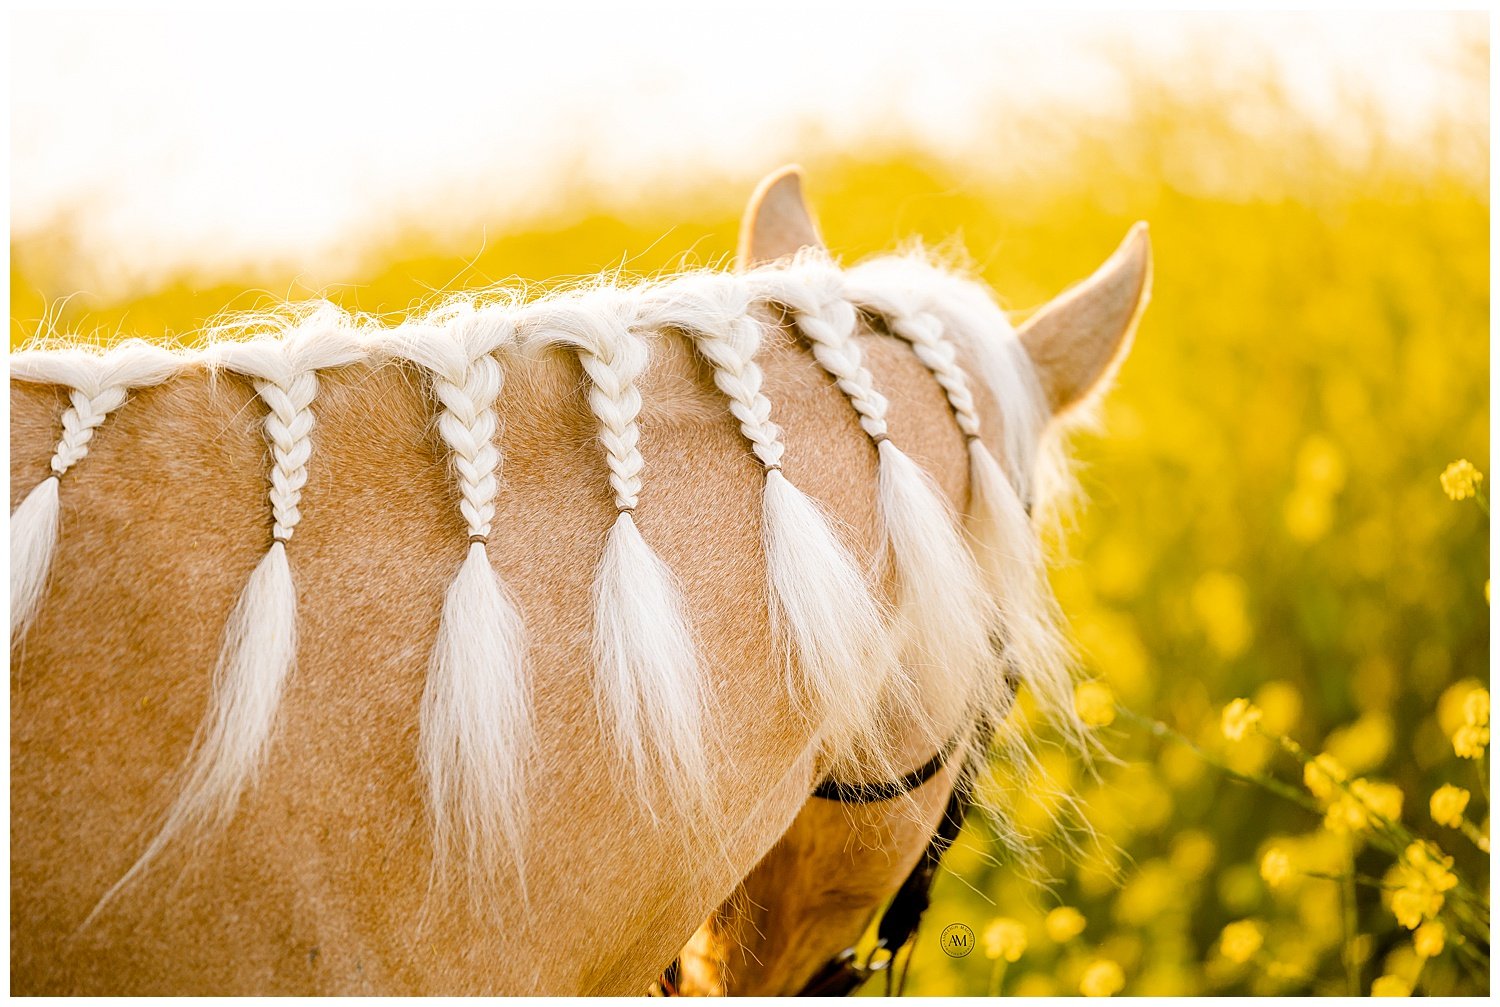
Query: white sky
column 187, row 138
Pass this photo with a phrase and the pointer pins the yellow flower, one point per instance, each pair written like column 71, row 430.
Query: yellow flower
column 1282, row 705
column 1308, row 513
column 1095, row 703
column 1384, row 799
column 1477, row 708
column 1241, row 940
column 1005, row 938
column 1450, row 705
column 1435, row 868
column 1429, row 939
column 1354, row 811
column 1276, row 867
column 1103, row 978
column 1460, row 479
column 1321, row 464
column 1322, row 776
column 1448, row 804
column 1469, row 741
column 1064, row 923
column 1413, row 904
column 1345, row 815
column 1419, row 881
column 1364, row 744
column 1193, row 853
column 1239, row 718
column 1390, row 986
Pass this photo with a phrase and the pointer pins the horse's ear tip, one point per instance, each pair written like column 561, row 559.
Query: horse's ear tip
column 788, row 175
column 777, row 220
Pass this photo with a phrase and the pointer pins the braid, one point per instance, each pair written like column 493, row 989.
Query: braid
column 468, row 424
column 612, row 365
column 650, row 686
column 97, row 385
column 260, row 639
column 289, row 425
column 946, row 613
column 80, row 420
column 738, row 376
column 937, row 353
column 714, row 312
column 827, row 321
column 476, row 725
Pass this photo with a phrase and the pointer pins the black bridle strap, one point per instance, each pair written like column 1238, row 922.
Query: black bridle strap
column 887, row 790
column 904, row 914
column 845, row 973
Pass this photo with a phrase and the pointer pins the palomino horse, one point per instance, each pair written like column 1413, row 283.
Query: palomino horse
column 552, row 617
column 867, row 852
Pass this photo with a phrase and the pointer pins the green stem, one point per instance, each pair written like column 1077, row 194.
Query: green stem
column 1475, row 964
column 1349, row 921
column 1389, row 835
column 997, row 976
column 1275, row 786
column 1359, row 879
column 1476, row 837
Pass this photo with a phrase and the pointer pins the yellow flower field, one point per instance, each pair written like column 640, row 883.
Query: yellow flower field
column 1277, row 576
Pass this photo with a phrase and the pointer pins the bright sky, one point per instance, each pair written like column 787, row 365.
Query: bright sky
column 184, row 137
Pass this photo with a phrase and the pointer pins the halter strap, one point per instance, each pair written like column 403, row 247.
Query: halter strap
column 844, row 973
column 887, row 790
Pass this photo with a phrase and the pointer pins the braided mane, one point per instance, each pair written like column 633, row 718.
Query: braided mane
column 961, row 581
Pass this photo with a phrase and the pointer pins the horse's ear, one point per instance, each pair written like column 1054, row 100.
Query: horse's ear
column 777, row 221
column 1079, row 339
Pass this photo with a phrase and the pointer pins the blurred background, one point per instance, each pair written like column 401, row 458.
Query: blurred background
column 1264, row 513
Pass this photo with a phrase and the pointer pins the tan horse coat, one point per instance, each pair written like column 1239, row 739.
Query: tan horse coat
column 815, row 893
column 320, row 884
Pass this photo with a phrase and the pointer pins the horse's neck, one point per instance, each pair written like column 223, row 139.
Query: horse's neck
column 161, row 527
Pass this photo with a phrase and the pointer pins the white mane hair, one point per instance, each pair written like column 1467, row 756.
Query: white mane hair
column 971, row 599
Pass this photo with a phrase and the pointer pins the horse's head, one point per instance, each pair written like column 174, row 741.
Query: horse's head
column 870, row 838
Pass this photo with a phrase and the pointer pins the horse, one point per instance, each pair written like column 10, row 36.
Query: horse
column 860, row 859
column 491, row 652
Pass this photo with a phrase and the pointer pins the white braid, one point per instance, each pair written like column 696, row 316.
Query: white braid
column 650, row 686
column 476, row 723
column 613, row 360
column 260, row 639
column 284, row 374
column 97, row 385
column 739, row 378
column 457, row 346
column 714, row 311
column 80, row 420
column 616, row 403
column 289, row 425
column 468, row 424
column 947, row 614
column 937, row 353
column 827, row 320
column 819, row 597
